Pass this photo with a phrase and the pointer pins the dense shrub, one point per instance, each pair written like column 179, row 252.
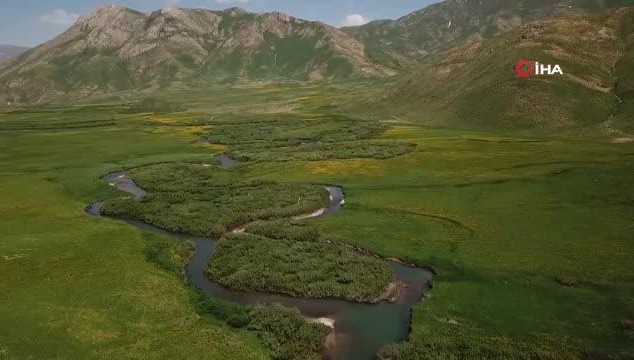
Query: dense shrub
column 233, row 314
column 325, row 151
column 298, row 268
column 293, row 130
column 450, row 349
column 286, row 333
column 283, row 331
column 288, row 138
column 189, row 198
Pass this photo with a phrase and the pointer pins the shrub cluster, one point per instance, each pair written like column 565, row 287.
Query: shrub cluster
column 324, row 151
column 288, row 138
column 441, row 349
column 312, row 269
column 286, row 333
column 189, row 198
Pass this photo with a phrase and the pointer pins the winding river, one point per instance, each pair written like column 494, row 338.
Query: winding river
column 359, row 330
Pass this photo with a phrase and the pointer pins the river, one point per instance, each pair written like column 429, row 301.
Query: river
column 360, row 330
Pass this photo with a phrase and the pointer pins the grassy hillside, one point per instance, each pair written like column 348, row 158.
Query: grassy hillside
column 476, row 87
column 624, row 88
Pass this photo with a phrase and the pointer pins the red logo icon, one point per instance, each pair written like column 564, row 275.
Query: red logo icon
column 525, row 68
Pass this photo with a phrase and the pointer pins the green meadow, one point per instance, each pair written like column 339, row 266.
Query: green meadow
column 73, row 286
column 531, row 236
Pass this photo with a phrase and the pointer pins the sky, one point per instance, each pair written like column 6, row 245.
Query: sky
column 31, row 22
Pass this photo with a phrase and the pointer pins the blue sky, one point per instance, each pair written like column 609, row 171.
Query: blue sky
column 31, row 22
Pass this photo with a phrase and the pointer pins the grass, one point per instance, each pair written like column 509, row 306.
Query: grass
column 501, row 217
column 73, row 286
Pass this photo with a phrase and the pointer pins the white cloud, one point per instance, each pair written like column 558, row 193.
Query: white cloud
column 232, row 1
column 354, row 20
column 59, row 17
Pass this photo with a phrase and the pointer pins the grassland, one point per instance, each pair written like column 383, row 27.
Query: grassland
column 72, row 286
column 500, row 216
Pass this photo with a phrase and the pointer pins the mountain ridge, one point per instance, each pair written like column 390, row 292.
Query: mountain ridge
column 117, row 48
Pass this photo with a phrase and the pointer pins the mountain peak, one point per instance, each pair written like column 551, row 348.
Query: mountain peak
column 278, row 15
column 114, row 48
column 235, row 11
column 172, row 10
column 107, row 14
column 105, row 10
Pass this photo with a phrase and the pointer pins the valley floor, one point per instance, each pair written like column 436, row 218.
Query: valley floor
column 531, row 237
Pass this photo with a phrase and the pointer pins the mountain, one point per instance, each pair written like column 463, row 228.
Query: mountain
column 8, row 52
column 475, row 86
column 451, row 23
column 116, row 48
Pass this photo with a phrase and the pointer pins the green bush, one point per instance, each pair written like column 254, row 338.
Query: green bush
column 325, row 151
column 450, row 349
column 233, row 314
column 288, row 138
column 189, row 198
column 286, row 333
column 283, row 331
column 250, row 262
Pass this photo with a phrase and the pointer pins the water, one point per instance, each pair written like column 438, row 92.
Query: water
column 360, row 329
column 226, row 162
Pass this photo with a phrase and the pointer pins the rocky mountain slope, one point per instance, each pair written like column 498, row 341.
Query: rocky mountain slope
column 452, row 23
column 116, row 48
column 8, row 52
column 475, row 86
